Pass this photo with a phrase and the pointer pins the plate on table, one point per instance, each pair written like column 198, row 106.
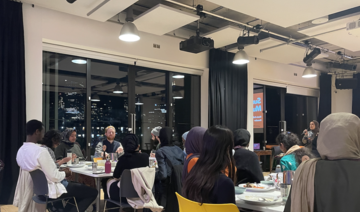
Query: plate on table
column 256, row 187
column 75, row 165
column 260, row 200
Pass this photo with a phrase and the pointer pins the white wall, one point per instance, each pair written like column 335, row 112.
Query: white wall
column 341, row 100
column 47, row 26
column 275, row 74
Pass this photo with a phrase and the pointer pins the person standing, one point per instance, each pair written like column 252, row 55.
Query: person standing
column 109, row 145
column 311, row 134
column 31, row 156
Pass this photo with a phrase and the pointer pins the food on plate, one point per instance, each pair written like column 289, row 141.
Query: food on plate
column 249, row 185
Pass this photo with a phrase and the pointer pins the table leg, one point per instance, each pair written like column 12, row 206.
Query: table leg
column 271, row 163
column 98, row 187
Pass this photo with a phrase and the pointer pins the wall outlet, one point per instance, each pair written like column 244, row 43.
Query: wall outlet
column 156, row 46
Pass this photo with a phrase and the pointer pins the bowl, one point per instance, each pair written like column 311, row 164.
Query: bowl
column 239, row 190
column 267, row 182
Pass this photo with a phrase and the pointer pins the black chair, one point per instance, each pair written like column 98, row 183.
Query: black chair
column 41, row 189
column 127, row 190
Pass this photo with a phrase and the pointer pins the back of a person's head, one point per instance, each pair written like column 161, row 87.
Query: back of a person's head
column 216, row 156
column 32, row 126
column 50, row 137
column 241, row 137
column 288, row 139
column 194, row 140
column 339, row 137
column 165, row 136
column 130, row 143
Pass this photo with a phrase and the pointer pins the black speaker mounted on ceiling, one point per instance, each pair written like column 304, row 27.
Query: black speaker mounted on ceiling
column 346, row 83
column 71, row 1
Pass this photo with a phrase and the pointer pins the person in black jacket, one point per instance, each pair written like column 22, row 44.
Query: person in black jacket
column 247, row 162
column 167, row 156
column 130, row 160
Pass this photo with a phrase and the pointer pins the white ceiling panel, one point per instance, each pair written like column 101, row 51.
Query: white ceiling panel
column 340, row 38
column 162, row 19
column 288, row 13
column 285, row 54
column 224, row 36
column 83, row 7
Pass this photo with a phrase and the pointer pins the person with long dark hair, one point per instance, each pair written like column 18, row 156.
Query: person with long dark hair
column 206, row 183
column 50, row 141
column 294, row 154
column 311, row 134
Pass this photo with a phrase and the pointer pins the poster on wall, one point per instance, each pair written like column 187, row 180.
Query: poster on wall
column 258, row 110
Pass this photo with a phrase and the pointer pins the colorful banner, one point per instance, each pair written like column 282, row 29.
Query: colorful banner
column 258, row 107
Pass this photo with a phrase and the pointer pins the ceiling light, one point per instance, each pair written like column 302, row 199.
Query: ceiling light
column 79, row 61
column 321, row 20
column 129, row 32
column 241, row 57
column 95, row 98
column 138, row 102
column 177, row 95
column 118, row 89
column 178, row 76
column 309, row 72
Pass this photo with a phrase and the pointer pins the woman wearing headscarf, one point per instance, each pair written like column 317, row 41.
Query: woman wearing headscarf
column 131, row 159
column 193, row 144
column 247, row 162
column 331, row 183
column 167, row 156
column 68, row 144
column 311, row 135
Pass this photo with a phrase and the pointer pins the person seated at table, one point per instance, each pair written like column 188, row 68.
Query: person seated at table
column 68, row 144
column 206, row 183
column 330, row 183
column 131, row 159
column 165, row 154
column 294, row 154
column 193, row 144
column 31, row 156
column 109, row 145
column 50, row 141
column 183, row 137
column 247, row 162
column 154, row 142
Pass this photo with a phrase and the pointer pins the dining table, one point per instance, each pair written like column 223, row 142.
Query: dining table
column 88, row 172
column 241, row 204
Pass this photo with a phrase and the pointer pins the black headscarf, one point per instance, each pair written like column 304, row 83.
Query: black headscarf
column 241, row 137
column 165, row 136
column 130, row 144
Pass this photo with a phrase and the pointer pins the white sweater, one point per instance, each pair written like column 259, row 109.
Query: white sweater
column 32, row 156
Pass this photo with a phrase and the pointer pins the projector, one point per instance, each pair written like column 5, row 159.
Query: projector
column 353, row 28
column 196, row 44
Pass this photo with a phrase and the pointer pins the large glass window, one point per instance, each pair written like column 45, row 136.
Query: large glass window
column 88, row 95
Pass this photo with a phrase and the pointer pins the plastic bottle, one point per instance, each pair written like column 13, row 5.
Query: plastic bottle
column 69, row 154
column 107, row 166
column 278, row 169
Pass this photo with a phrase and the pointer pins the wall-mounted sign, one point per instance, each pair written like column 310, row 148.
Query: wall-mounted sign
column 258, row 107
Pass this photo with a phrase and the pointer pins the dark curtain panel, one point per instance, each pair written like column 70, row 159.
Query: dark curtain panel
column 356, row 97
column 325, row 96
column 227, row 91
column 12, row 95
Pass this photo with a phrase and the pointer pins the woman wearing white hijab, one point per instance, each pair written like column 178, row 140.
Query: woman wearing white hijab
column 331, row 183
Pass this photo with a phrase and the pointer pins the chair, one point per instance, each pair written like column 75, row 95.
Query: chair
column 41, row 189
column 186, row 205
column 127, row 190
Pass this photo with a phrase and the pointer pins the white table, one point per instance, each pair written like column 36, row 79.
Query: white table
column 272, row 208
column 87, row 172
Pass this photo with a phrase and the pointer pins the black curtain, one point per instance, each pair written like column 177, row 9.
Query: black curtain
column 325, row 96
column 356, row 97
column 12, row 95
column 227, row 91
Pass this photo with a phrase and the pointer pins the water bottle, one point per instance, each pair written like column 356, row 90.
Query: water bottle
column 108, row 167
column 278, row 169
column 69, row 154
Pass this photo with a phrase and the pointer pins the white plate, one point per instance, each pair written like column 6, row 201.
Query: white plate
column 254, row 200
column 75, row 165
column 266, row 188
